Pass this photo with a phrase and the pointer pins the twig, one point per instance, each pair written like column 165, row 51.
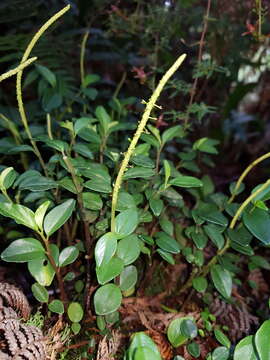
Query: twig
column 201, row 43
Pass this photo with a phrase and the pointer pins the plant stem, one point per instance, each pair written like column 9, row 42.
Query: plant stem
column 201, row 44
column 49, row 126
column 245, row 173
column 82, row 55
column 56, row 269
column 19, row 81
column 149, row 106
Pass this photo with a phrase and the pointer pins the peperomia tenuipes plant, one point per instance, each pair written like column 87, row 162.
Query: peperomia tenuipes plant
column 85, row 204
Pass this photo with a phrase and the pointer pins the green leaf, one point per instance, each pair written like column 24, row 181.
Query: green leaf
column 68, row 255
column 142, row 160
column 222, row 280
column 167, row 226
column 200, row 284
column 76, row 328
column 145, row 353
column 92, row 201
column 174, row 333
column 263, row 196
column 166, row 256
column 222, row 338
column 186, row 182
column 125, row 201
column 128, row 278
column 47, row 74
column 220, row 353
column 105, row 248
column 107, row 272
column 167, row 243
column 40, row 293
column 58, row 216
column 99, row 185
column 262, row 342
column 139, row 172
column 75, row 312
column 156, row 206
column 172, row 132
column 128, row 249
column 150, row 139
column 19, row 213
column 258, row 223
column 245, row 349
column 43, row 274
column 260, row 261
column 37, row 183
column 67, row 184
column 56, row 306
column 23, row 250
column 7, row 178
column 104, row 119
column 107, row 299
column 141, row 340
column 90, row 79
column 40, row 213
column 200, row 240
column 167, row 172
column 155, row 131
column 126, row 222
column 194, row 349
column 213, row 231
column 210, row 212
column 206, row 145
column 188, row 328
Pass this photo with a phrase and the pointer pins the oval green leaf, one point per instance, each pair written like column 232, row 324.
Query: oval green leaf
column 75, row 312
column 186, row 182
column 58, row 216
column 258, row 223
column 23, row 250
column 222, row 280
column 107, row 299
column 262, row 342
column 40, row 293
column 126, row 222
column 105, row 248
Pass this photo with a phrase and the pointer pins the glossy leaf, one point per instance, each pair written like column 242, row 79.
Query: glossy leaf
column 167, row 243
column 40, row 293
column 258, row 223
column 213, row 231
column 128, row 278
column 47, row 74
column 245, row 349
column 222, row 280
column 7, row 178
column 42, row 271
column 166, row 256
column 220, row 353
column 126, row 222
column 92, row 201
column 23, row 250
column 107, row 299
column 68, row 255
column 40, row 213
column 141, row 340
column 58, row 216
column 262, row 342
column 128, row 249
column 174, row 332
column 105, row 248
column 19, row 213
column 109, row 271
column 186, row 182
column 139, row 172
